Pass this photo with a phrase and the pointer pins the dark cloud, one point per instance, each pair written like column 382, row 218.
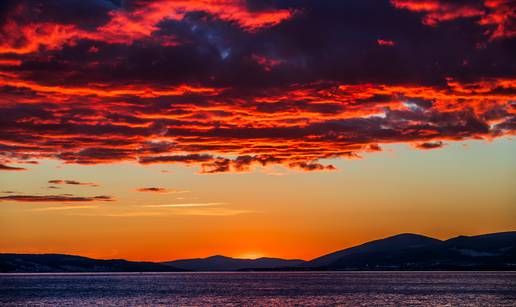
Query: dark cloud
column 4, row 167
column 232, row 85
column 192, row 158
column 312, row 166
column 72, row 182
column 152, row 189
column 430, row 145
column 54, row 198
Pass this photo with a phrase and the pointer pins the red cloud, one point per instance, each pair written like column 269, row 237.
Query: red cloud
column 294, row 128
column 10, row 62
column 498, row 15
column 502, row 18
column 383, row 42
column 107, row 90
column 22, row 39
column 228, row 86
column 267, row 63
column 440, row 10
column 127, row 26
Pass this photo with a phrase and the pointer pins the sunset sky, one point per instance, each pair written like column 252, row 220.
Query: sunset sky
column 157, row 130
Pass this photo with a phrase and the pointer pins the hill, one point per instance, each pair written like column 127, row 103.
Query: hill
column 222, row 263
column 54, row 263
column 415, row 252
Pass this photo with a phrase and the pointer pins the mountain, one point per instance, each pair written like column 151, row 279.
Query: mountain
column 415, row 252
column 222, row 263
column 496, row 251
column 483, row 245
column 53, row 263
column 383, row 245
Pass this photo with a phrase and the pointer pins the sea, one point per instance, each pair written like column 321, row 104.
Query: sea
column 261, row 289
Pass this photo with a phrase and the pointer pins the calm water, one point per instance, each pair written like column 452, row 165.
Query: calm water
column 262, row 289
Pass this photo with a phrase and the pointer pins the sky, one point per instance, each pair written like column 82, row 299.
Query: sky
column 158, row 130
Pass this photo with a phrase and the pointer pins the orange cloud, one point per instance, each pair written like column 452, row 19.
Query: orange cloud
column 107, row 90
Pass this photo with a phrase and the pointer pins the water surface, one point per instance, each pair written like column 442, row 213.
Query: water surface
column 260, row 289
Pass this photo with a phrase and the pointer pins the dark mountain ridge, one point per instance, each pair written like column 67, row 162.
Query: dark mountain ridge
column 222, row 263
column 415, row 252
column 56, row 263
column 496, row 251
column 394, row 243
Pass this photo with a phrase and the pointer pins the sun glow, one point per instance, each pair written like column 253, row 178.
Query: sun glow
column 250, row 255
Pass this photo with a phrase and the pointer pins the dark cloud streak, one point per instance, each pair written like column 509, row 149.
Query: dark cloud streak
column 72, row 182
column 53, row 198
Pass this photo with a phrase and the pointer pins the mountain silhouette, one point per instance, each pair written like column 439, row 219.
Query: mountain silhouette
column 389, row 244
column 415, row 252
column 496, row 251
column 222, row 263
column 488, row 244
column 55, row 263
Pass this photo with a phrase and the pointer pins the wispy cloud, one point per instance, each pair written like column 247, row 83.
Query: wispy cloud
column 60, row 208
column 161, row 190
column 121, row 214
column 213, row 212
column 4, row 167
column 54, row 198
column 72, row 182
column 186, row 205
column 201, row 209
column 190, row 209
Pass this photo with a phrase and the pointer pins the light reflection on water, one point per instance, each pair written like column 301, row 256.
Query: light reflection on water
column 262, row 289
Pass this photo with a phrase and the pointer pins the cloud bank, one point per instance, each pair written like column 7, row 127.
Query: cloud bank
column 230, row 85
